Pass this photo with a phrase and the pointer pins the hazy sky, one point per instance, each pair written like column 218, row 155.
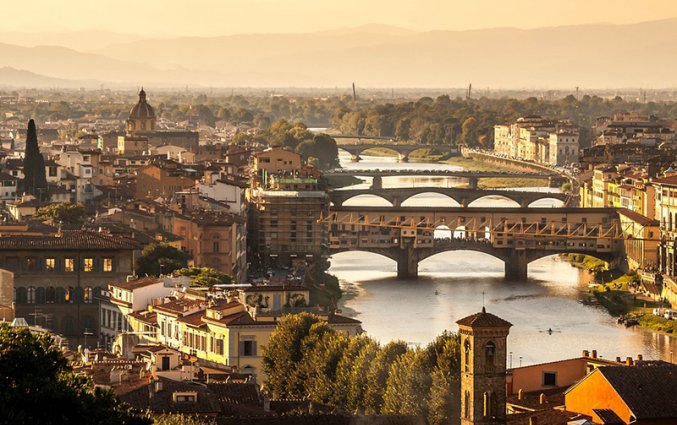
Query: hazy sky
column 220, row 17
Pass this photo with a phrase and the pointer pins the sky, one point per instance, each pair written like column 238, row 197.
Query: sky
column 175, row 18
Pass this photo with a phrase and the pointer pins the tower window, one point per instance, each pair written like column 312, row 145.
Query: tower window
column 466, row 350
column 489, row 354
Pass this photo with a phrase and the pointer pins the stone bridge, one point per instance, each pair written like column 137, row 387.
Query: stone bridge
column 517, row 236
column 402, row 150
column 472, row 177
column 462, row 196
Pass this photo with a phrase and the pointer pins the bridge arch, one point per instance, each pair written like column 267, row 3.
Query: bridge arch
column 368, row 199
column 485, row 199
column 546, row 201
column 441, row 200
column 366, row 149
column 485, row 253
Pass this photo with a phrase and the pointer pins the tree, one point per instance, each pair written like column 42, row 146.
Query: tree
column 358, row 382
column 408, row 385
column 469, row 131
column 35, row 180
column 159, row 258
column 38, row 386
column 283, row 358
column 62, row 212
column 377, row 376
column 205, row 276
column 445, row 390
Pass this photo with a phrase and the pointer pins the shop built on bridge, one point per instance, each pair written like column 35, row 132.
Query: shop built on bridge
column 517, row 236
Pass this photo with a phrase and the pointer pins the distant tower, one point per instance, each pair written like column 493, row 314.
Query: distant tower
column 142, row 116
column 484, row 346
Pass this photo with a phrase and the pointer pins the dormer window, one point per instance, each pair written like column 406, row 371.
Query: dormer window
column 184, row 397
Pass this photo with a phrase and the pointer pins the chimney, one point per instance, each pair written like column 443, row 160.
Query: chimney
column 586, row 353
column 519, row 394
column 542, row 399
column 640, row 357
column 628, row 361
column 594, row 354
column 618, row 359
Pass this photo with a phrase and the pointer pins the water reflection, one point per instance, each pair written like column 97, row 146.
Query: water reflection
column 450, row 287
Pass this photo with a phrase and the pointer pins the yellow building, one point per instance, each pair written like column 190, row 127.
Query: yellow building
column 642, row 239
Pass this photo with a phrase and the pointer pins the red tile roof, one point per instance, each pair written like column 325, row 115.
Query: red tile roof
column 484, row 320
column 67, row 239
column 137, row 283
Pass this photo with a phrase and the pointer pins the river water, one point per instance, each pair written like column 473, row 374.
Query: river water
column 455, row 284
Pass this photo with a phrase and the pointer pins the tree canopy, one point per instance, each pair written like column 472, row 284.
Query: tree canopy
column 159, row 258
column 205, row 276
column 62, row 212
column 37, row 386
column 306, row 358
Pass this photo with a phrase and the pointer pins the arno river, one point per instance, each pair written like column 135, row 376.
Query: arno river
column 451, row 284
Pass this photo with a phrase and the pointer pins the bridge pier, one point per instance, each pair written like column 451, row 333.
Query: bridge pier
column 472, row 182
column 403, row 158
column 516, row 266
column 355, row 158
column 407, row 264
column 377, row 182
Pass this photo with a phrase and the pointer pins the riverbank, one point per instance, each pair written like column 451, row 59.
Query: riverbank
column 337, row 182
column 475, row 165
column 616, row 292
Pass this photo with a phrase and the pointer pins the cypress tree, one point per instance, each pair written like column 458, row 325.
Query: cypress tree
column 35, row 180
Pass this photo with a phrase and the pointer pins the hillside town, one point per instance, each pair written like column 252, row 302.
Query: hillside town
column 164, row 256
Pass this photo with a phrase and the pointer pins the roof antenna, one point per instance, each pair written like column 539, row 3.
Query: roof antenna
column 484, row 310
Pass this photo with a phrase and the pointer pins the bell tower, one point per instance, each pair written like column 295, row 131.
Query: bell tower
column 484, row 339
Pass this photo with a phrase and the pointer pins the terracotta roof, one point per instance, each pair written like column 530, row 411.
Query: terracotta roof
column 648, row 391
column 178, row 306
column 162, row 401
column 338, row 319
column 670, row 181
column 68, row 239
column 484, row 320
column 638, row 218
column 137, row 283
column 194, row 319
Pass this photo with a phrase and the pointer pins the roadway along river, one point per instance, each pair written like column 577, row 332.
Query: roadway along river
column 451, row 284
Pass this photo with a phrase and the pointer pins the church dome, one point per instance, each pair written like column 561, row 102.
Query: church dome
column 142, row 109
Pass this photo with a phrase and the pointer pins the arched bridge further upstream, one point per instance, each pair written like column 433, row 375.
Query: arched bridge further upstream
column 473, row 177
column 517, row 236
column 462, row 196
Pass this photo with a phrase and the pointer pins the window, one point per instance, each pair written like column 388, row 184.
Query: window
column 549, row 379
column 466, row 349
column 68, row 297
column 50, row 295
column 248, row 348
column 107, row 264
column 489, row 353
column 88, row 265
column 216, row 247
column 466, row 405
column 69, row 265
column 50, row 263
column 88, row 295
column 30, row 295
column 31, row 264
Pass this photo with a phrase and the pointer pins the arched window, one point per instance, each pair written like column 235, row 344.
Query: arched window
column 88, row 296
column 20, row 295
column 489, row 354
column 78, row 295
column 493, row 402
column 50, row 295
column 40, row 295
column 466, row 351
column 30, row 295
column 69, row 295
column 466, row 410
column 486, row 411
column 60, row 295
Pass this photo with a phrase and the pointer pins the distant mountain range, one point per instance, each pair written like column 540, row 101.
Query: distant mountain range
column 591, row 56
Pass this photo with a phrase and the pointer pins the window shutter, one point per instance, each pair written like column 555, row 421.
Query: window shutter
column 254, row 348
